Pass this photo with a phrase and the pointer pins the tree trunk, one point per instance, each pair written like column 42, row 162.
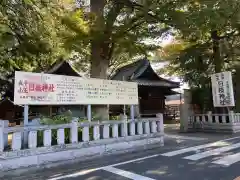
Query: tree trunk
column 99, row 68
column 99, row 60
column 217, row 60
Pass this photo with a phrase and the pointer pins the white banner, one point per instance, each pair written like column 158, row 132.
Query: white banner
column 46, row 89
column 222, row 90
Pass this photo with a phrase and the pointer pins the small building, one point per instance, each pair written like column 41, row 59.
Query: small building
column 173, row 108
column 10, row 111
column 152, row 89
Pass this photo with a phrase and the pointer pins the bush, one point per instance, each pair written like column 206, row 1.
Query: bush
column 59, row 119
column 65, row 118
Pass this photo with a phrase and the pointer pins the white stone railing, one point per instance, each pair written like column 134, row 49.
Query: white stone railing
column 79, row 132
column 209, row 121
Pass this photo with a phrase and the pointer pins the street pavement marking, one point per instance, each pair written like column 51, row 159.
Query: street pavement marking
column 184, row 137
column 195, row 148
column 126, row 174
column 83, row 172
column 172, row 153
column 212, row 152
column 228, row 160
column 135, row 160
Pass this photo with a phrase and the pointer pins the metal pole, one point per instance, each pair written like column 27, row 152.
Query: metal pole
column 26, row 109
column 25, row 123
column 132, row 112
column 124, row 106
column 89, row 113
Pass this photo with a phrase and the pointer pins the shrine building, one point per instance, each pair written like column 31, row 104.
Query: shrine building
column 152, row 89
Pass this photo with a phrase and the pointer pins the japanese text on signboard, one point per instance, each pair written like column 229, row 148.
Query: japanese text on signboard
column 222, row 89
column 36, row 88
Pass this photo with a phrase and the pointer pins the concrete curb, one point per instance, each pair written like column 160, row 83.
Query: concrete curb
column 47, row 160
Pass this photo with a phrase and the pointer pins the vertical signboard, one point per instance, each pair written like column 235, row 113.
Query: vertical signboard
column 222, row 89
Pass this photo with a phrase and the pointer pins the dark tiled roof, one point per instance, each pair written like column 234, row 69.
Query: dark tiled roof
column 63, row 68
column 6, row 100
column 137, row 72
column 130, row 71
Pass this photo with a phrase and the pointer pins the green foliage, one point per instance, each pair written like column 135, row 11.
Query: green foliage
column 30, row 37
column 207, row 42
column 65, row 118
column 203, row 98
column 30, row 30
column 59, row 119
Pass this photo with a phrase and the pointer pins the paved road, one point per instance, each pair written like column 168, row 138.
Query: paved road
column 180, row 158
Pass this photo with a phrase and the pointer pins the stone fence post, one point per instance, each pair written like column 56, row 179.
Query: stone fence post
column 160, row 127
column 3, row 136
column 74, row 131
column 124, row 126
column 231, row 117
column 209, row 114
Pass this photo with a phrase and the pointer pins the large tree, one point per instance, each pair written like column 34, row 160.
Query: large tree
column 118, row 27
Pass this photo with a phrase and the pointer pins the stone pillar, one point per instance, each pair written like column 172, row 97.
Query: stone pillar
column 124, row 127
column 115, row 130
column 217, row 119
column 232, row 120
column 16, row 141
column 153, row 126
column 32, row 139
column 47, row 138
column 96, row 132
column 85, row 134
column 60, row 137
column 106, row 131
column 160, row 124
column 231, row 117
column 203, row 118
column 132, row 128
column 210, row 119
column 3, row 124
column 185, row 111
column 140, row 127
column 1, row 138
column 146, row 127
column 74, row 131
column 160, row 128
